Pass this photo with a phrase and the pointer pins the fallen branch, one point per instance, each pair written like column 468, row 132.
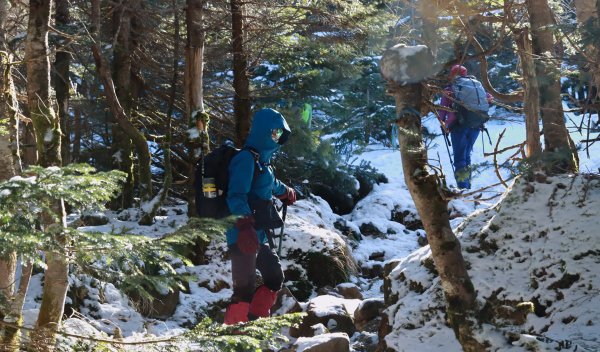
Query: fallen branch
column 95, row 339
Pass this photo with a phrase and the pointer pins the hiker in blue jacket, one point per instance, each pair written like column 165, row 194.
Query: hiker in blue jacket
column 463, row 137
column 250, row 192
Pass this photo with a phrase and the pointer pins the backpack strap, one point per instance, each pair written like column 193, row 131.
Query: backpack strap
column 256, row 155
column 476, row 90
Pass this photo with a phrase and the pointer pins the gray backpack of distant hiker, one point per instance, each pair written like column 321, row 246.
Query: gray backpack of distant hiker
column 470, row 103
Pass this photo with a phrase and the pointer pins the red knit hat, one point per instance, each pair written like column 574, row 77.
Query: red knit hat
column 458, row 70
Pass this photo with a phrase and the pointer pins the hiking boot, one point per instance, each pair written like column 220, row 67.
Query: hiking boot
column 236, row 313
column 261, row 304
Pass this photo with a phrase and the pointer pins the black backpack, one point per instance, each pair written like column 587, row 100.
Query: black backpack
column 212, row 181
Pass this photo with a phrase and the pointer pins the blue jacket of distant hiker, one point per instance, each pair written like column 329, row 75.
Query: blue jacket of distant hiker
column 246, row 186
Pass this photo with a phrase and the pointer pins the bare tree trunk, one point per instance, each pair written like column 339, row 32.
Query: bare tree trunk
column 587, row 10
column 121, row 148
column 425, row 190
column 194, row 91
column 8, row 269
column 48, row 137
column 558, row 152
column 29, row 153
column 9, row 156
column 139, row 140
column 148, row 217
column 61, row 79
column 241, row 83
column 56, row 283
column 14, row 316
column 532, row 94
column 45, row 122
column 76, row 135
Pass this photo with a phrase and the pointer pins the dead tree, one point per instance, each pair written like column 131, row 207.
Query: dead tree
column 404, row 68
column 194, row 91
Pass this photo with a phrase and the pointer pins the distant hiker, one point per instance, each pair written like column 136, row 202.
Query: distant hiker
column 466, row 96
column 249, row 196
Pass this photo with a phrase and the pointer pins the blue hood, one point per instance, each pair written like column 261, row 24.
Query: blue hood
column 259, row 138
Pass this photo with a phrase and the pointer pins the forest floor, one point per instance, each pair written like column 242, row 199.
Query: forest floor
column 570, row 314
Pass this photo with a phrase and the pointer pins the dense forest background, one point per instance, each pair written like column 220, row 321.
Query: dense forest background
column 103, row 98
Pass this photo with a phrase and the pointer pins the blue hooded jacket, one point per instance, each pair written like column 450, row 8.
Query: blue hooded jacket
column 243, row 189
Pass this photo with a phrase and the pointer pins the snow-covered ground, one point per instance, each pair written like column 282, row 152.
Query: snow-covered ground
column 310, row 226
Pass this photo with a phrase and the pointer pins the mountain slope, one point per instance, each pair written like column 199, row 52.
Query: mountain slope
column 540, row 244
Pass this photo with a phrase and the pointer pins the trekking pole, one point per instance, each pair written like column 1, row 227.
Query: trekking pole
column 482, row 141
column 448, row 144
column 445, row 133
column 283, row 215
column 488, row 134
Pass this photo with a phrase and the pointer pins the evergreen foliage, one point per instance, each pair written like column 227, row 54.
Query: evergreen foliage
column 265, row 334
column 257, row 335
column 143, row 265
column 25, row 199
column 133, row 262
column 306, row 157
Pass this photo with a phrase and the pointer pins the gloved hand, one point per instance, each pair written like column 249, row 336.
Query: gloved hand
column 288, row 197
column 247, row 239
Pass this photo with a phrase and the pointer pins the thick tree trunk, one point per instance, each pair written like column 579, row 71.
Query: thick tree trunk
column 194, row 92
column 139, row 140
column 48, row 137
column 45, row 122
column 9, row 164
column 14, row 316
column 8, row 269
column 241, row 83
column 61, row 79
column 587, row 10
column 532, row 95
column 425, row 190
column 56, row 282
column 558, row 154
column 121, row 148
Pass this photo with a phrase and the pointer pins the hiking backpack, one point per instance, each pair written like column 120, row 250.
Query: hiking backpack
column 471, row 103
column 212, row 181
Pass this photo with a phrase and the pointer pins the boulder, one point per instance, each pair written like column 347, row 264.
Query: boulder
column 349, row 291
column 340, row 202
column 336, row 342
column 377, row 256
column 161, row 306
column 324, row 269
column 94, row 219
column 370, row 229
column 372, row 270
column 390, row 298
column 407, row 218
column 333, row 312
column 347, row 231
column 368, row 310
column 365, row 342
column 285, row 303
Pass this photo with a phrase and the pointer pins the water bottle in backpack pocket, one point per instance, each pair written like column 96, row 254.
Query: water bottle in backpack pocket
column 212, row 181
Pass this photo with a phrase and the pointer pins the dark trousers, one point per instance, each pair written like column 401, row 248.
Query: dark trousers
column 463, row 140
column 243, row 272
